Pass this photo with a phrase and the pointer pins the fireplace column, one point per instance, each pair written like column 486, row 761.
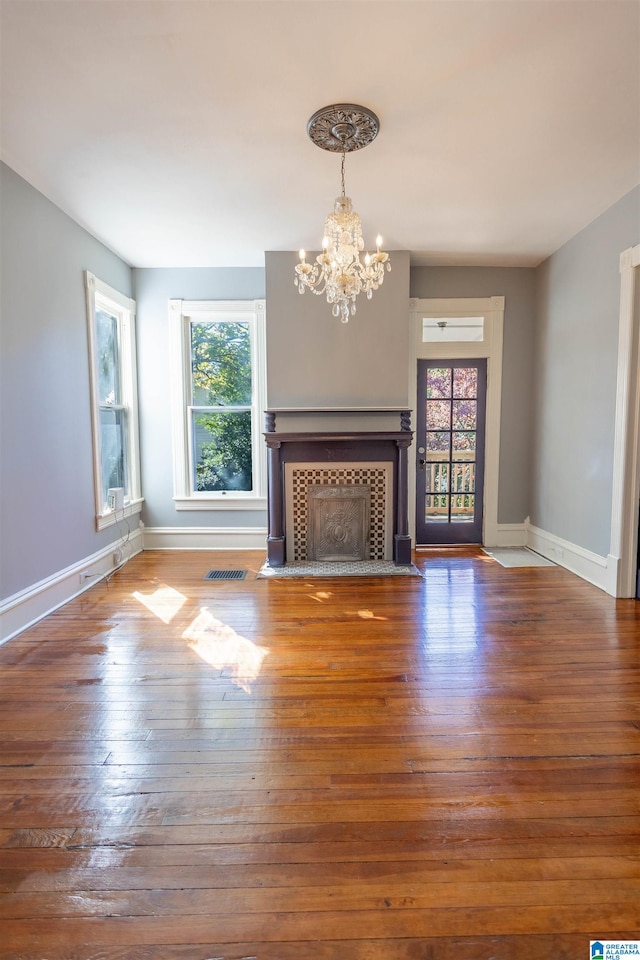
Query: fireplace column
column 275, row 537
column 402, row 540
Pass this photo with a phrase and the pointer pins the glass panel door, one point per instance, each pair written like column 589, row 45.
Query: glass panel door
column 450, row 458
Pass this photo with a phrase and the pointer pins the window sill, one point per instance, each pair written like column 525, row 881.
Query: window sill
column 220, row 503
column 112, row 517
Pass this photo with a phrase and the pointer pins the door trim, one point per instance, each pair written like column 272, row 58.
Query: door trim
column 626, row 449
column 492, row 309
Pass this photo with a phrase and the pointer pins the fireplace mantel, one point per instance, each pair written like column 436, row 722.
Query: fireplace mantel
column 333, row 447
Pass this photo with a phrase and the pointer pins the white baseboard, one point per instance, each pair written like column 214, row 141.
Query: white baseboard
column 600, row 571
column 24, row 609
column 511, row 535
column 27, row 607
column 205, row 538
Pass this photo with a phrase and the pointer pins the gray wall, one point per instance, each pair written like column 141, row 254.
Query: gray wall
column 315, row 360
column 517, row 286
column 560, row 350
column 578, row 294
column 47, row 510
column 153, row 290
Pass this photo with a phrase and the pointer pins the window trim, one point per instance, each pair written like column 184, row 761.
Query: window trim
column 100, row 294
column 181, row 314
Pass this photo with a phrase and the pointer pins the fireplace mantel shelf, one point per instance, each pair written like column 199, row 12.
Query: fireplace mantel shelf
column 304, row 410
column 315, row 436
column 271, row 414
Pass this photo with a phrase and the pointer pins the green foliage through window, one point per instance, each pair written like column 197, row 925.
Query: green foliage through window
column 221, row 382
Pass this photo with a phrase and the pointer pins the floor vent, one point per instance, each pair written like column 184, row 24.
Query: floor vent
column 226, row 575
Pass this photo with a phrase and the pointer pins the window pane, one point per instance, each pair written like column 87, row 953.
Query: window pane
column 465, row 382
column 222, row 450
column 113, row 443
column 452, row 329
column 221, row 364
column 438, row 415
column 108, row 358
column 439, row 382
column 436, row 508
column 464, row 415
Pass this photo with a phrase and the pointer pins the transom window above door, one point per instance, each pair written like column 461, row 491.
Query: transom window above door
column 452, row 329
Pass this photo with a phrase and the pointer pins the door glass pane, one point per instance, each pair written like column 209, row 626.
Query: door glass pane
column 108, row 359
column 438, row 446
column 222, row 448
column 464, row 444
column 436, row 508
column 464, row 414
column 462, row 508
column 221, row 364
column 437, row 478
column 438, row 415
column 465, row 382
column 463, row 477
column 439, row 382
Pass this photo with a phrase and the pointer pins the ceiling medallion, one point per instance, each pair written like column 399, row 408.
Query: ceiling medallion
column 338, row 271
column 343, row 127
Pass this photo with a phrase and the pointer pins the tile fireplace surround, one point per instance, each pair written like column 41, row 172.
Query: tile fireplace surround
column 340, row 449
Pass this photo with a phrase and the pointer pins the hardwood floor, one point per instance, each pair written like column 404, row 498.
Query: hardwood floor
column 332, row 769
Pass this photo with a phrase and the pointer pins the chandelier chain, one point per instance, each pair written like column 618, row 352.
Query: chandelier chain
column 342, row 173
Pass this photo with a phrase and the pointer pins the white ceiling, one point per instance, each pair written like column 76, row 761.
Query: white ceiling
column 175, row 131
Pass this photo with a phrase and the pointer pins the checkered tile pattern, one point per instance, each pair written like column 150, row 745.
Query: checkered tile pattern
column 336, row 476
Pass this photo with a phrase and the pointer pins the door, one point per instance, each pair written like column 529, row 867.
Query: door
column 450, row 433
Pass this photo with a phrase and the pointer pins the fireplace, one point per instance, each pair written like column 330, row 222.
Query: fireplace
column 300, row 478
column 338, row 494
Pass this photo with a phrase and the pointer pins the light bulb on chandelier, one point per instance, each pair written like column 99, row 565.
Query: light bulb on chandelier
column 339, row 272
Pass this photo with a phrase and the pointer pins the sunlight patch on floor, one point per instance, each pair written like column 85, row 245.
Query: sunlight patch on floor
column 222, row 648
column 165, row 602
column 320, row 596
column 369, row 615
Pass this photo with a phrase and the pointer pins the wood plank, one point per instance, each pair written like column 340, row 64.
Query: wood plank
column 387, row 923
column 335, row 769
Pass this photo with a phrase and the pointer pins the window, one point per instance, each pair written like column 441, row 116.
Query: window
column 218, row 385
column 111, row 327
column 452, row 329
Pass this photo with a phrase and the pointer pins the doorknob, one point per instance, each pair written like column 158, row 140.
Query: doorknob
column 422, row 463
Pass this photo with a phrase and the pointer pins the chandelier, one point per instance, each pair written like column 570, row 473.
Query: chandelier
column 339, row 271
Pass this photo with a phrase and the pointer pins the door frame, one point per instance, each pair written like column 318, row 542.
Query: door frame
column 626, row 450
column 492, row 310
